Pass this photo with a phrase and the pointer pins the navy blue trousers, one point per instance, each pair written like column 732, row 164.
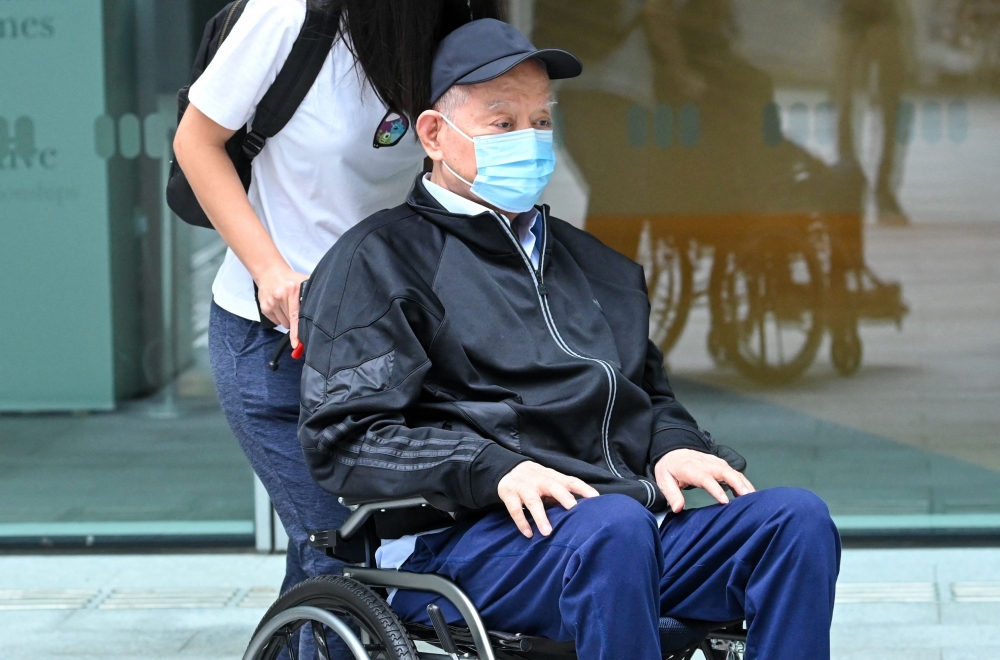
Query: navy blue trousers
column 606, row 574
column 262, row 408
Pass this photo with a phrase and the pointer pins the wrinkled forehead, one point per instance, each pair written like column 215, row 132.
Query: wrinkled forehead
column 526, row 84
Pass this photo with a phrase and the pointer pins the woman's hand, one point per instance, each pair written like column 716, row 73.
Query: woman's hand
column 278, row 293
column 200, row 147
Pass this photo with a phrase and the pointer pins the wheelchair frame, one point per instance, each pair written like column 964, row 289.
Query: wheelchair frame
column 355, row 543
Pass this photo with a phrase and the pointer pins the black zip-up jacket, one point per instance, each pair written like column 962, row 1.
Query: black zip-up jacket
column 438, row 358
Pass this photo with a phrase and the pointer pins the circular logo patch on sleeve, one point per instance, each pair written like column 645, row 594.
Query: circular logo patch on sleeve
column 391, row 130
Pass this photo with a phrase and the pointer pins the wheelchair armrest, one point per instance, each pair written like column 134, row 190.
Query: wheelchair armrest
column 361, row 534
column 363, row 512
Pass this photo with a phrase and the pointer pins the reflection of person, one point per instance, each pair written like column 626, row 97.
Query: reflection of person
column 496, row 356
column 723, row 166
column 659, row 19
column 312, row 182
column 871, row 42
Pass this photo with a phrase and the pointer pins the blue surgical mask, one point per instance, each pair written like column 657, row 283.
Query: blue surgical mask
column 512, row 168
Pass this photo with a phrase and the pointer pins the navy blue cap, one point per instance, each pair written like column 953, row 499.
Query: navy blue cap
column 486, row 49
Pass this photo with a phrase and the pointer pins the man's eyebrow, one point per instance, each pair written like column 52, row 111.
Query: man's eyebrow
column 500, row 103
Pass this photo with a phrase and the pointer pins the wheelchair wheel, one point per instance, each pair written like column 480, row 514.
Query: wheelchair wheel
column 716, row 346
column 846, row 351
column 767, row 302
column 670, row 281
column 383, row 635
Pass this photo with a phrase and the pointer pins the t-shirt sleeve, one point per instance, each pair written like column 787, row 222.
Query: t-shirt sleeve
column 248, row 61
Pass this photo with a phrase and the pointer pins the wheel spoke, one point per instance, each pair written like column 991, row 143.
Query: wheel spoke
column 289, row 638
column 319, row 636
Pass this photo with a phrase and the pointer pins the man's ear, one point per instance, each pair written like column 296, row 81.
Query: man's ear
column 429, row 125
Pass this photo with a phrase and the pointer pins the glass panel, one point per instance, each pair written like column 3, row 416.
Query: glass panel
column 811, row 188
column 109, row 423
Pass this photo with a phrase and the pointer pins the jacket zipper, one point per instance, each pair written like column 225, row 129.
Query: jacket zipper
column 550, row 322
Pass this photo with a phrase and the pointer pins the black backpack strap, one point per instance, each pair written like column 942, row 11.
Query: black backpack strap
column 294, row 80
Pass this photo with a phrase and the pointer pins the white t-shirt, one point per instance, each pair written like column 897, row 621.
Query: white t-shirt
column 321, row 174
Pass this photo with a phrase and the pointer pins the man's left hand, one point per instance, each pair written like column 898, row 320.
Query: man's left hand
column 685, row 467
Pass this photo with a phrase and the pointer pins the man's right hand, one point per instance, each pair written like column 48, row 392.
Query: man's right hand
column 529, row 484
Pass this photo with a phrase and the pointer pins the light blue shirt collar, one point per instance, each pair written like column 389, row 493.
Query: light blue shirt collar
column 523, row 225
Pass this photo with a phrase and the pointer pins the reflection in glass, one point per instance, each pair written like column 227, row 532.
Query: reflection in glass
column 871, row 57
column 842, row 180
column 110, row 428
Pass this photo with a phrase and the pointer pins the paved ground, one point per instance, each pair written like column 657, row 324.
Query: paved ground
column 912, row 604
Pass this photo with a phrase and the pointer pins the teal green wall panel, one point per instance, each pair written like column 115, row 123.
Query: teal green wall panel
column 55, row 290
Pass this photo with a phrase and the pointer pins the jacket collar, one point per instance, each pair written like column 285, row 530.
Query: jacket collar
column 482, row 231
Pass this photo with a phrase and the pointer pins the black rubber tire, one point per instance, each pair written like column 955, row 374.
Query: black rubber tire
column 846, row 352
column 671, row 290
column 764, row 256
column 346, row 597
column 716, row 347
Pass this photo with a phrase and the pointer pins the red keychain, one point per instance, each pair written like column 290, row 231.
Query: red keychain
column 297, row 352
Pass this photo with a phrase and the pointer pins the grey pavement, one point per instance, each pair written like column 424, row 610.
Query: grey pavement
column 915, row 604
column 209, row 625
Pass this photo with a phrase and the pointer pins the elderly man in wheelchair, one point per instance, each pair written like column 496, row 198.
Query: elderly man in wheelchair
column 479, row 382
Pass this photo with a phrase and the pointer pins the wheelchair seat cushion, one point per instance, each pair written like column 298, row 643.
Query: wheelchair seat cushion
column 676, row 635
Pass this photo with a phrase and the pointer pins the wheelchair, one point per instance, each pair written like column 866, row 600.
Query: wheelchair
column 353, row 606
column 776, row 278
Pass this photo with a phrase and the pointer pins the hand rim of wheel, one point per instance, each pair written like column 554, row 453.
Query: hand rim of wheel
column 300, row 613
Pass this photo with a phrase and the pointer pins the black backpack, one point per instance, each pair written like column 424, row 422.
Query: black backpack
column 277, row 106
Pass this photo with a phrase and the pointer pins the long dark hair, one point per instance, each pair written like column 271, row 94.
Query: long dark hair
column 394, row 42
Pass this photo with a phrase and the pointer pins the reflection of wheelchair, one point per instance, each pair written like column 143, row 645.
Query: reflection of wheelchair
column 706, row 191
column 772, row 294
column 359, row 598
column 776, row 281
